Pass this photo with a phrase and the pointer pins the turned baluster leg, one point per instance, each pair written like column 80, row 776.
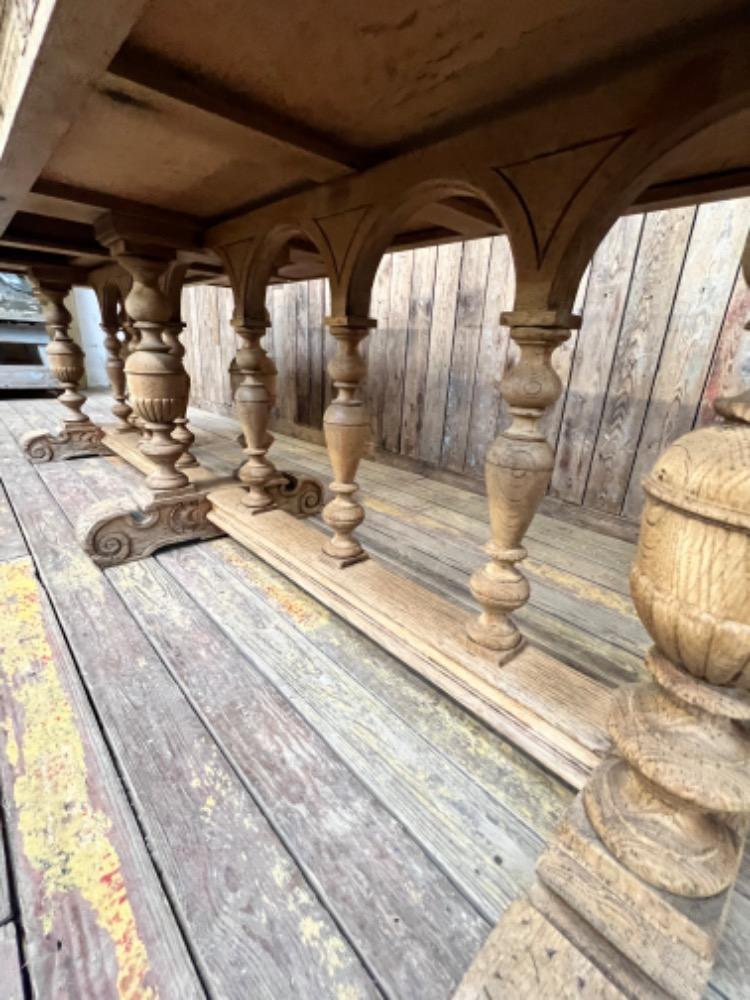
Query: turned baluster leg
column 517, row 470
column 252, row 402
column 182, row 432
column 347, row 427
column 156, row 377
column 79, row 435
column 116, row 373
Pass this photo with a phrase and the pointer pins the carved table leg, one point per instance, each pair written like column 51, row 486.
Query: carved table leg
column 116, row 351
column 174, row 511
column 517, row 470
column 132, row 339
column 181, row 432
column 254, row 396
column 347, row 429
column 79, row 436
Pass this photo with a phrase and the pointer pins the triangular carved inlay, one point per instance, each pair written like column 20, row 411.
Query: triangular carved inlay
column 547, row 184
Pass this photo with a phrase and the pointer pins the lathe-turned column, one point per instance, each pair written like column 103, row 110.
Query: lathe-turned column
column 79, row 435
column 518, row 467
column 253, row 375
column 157, row 379
column 116, row 352
column 182, row 432
column 347, row 427
column 252, row 404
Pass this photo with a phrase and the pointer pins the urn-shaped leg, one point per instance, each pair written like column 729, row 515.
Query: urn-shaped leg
column 518, row 467
column 346, row 425
column 347, row 429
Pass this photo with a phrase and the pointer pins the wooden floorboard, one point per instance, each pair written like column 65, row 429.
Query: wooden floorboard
column 411, row 955
column 93, row 910
column 579, row 608
column 11, row 981
column 244, row 904
column 258, row 734
column 409, row 923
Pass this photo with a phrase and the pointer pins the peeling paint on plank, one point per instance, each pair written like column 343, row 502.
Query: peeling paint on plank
column 65, row 837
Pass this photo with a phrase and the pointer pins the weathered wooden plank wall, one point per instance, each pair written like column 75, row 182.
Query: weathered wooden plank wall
column 663, row 307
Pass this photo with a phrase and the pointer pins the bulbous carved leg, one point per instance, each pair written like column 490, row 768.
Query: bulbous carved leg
column 517, row 472
column 253, row 378
column 121, row 409
column 79, row 436
column 252, row 403
column 662, row 808
column 347, row 429
column 182, row 432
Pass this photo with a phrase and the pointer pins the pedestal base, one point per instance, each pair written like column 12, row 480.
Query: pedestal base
column 118, row 531
column 670, row 938
column 550, row 710
column 71, row 441
column 300, row 496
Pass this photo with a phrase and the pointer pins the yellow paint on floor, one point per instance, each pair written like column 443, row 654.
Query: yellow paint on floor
column 65, row 838
column 579, row 587
column 305, row 612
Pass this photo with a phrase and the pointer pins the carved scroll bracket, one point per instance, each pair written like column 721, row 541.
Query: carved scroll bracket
column 117, row 531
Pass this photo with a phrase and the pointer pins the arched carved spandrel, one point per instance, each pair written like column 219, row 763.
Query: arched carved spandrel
column 630, row 167
column 370, row 232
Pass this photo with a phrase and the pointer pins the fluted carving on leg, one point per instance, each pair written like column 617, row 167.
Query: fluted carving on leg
column 182, row 431
column 132, row 339
column 518, row 467
column 157, row 380
column 347, row 429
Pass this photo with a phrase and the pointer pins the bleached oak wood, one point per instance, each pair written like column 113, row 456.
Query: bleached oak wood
column 518, row 467
column 527, row 958
column 78, row 434
column 347, row 429
column 550, row 710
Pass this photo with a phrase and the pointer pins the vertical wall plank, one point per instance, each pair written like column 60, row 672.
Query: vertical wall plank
column 376, row 344
column 284, row 321
column 730, row 368
column 699, row 308
column 304, row 358
column 447, row 273
column 395, row 350
column 657, row 272
column 562, row 362
column 492, row 354
column 469, row 313
column 417, row 349
column 316, row 333
column 658, row 344
column 607, row 293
